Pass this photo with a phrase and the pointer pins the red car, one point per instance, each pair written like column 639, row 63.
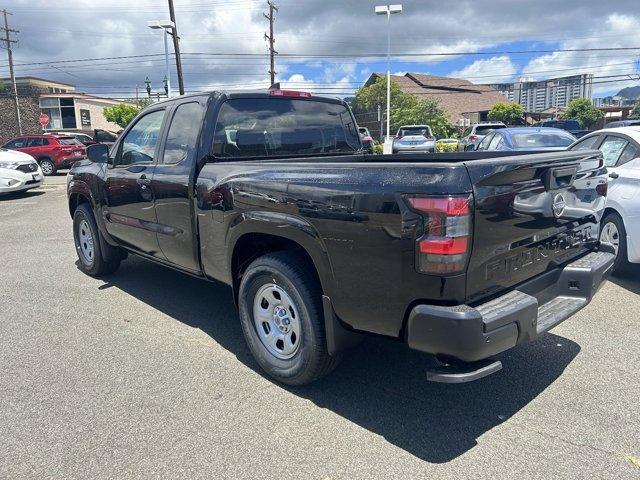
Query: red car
column 52, row 152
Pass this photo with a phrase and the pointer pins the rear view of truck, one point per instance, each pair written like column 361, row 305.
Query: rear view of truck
column 528, row 242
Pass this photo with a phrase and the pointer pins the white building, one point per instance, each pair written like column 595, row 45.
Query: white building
column 536, row 96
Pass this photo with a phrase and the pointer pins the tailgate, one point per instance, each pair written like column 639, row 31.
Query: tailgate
column 532, row 213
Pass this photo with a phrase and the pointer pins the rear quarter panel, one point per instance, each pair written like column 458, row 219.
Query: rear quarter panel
column 347, row 216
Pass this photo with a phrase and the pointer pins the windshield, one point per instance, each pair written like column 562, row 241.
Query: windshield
column 414, row 131
column 250, row 127
column 487, row 128
column 541, row 139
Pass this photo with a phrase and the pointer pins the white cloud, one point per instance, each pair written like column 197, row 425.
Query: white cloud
column 608, row 67
column 498, row 69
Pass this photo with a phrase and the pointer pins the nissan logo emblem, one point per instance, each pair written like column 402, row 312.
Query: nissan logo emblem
column 559, row 204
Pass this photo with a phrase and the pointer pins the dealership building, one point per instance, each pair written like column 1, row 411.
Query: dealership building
column 67, row 109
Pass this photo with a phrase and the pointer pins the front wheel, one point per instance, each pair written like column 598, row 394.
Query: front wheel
column 48, row 167
column 86, row 237
column 282, row 321
column 612, row 232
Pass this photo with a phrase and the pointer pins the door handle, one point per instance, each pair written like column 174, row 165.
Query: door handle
column 613, row 175
column 143, row 181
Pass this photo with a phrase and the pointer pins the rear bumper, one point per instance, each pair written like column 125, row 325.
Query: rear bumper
column 423, row 147
column 534, row 307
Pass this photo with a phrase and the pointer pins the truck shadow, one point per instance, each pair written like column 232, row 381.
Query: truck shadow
column 381, row 385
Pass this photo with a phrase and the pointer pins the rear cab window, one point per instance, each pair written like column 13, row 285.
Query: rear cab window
column 270, row 127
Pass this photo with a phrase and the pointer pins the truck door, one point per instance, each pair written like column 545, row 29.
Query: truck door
column 173, row 182
column 130, row 216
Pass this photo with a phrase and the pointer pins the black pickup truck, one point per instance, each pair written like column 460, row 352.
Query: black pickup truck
column 461, row 256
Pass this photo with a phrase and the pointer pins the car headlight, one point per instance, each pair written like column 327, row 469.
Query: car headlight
column 7, row 164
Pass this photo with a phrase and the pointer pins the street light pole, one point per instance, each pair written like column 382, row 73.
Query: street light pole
column 388, row 10
column 166, row 62
column 165, row 26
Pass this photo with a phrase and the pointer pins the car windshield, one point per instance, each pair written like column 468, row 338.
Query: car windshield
column 69, row 141
column 487, row 128
column 424, row 131
column 541, row 139
column 249, row 127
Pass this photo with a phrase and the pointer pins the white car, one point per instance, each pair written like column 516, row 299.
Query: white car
column 18, row 171
column 620, row 225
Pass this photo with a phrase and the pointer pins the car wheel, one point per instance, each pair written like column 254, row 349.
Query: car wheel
column 612, row 232
column 282, row 321
column 86, row 237
column 48, row 167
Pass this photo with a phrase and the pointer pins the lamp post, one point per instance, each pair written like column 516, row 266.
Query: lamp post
column 388, row 10
column 165, row 25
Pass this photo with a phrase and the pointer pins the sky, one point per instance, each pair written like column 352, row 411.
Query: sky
column 325, row 46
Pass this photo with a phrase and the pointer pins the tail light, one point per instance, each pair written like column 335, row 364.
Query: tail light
column 443, row 244
column 428, row 136
column 473, row 138
column 602, row 189
column 367, row 138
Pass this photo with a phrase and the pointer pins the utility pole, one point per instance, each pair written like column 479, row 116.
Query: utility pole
column 8, row 31
column 271, row 39
column 176, row 47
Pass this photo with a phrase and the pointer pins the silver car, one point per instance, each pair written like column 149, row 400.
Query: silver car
column 414, row 138
column 474, row 134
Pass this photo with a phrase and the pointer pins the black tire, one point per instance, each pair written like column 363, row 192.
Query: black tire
column 290, row 272
column 621, row 264
column 94, row 264
column 48, row 167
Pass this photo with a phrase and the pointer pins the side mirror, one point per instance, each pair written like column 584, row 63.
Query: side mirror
column 98, row 153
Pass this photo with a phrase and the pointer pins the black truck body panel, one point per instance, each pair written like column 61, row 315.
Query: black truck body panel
column 350, row 214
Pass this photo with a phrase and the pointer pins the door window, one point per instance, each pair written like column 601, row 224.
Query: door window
column 35, row 142
column 494, row 142
column 139, row 144
column 484, row 144
column 17, row 143
column 628, row 154
column 611, row 149
column 183, row 134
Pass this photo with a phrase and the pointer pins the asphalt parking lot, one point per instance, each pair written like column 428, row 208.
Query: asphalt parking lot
column 146, row 374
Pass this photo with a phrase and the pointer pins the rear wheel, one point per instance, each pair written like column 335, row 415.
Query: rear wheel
column 48, row 167
column 88, row 245
column 612, row 232
column 282, row 321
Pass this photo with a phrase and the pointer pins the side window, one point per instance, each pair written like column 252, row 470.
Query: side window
column 34, row 142
column 628, row 154
column 484, row 144
column 611, row 149
column 494, row 142
column 467, row 132
column 17, row 143
column 586, row 143
column 45, row 141
column 183, row 134
column 139, row 145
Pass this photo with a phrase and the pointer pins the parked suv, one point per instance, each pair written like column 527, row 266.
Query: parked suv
column 414, row 138
column 52, row 152
column 474, row 134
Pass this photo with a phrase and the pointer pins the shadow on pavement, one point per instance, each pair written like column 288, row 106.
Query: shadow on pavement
column 630, row 280
column 20, row 195
column 381, row 385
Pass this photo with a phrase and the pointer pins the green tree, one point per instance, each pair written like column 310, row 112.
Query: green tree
column 507, row 112
column 121, row 114
column 582, row 110
column 406, row 109
column 635, row 112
